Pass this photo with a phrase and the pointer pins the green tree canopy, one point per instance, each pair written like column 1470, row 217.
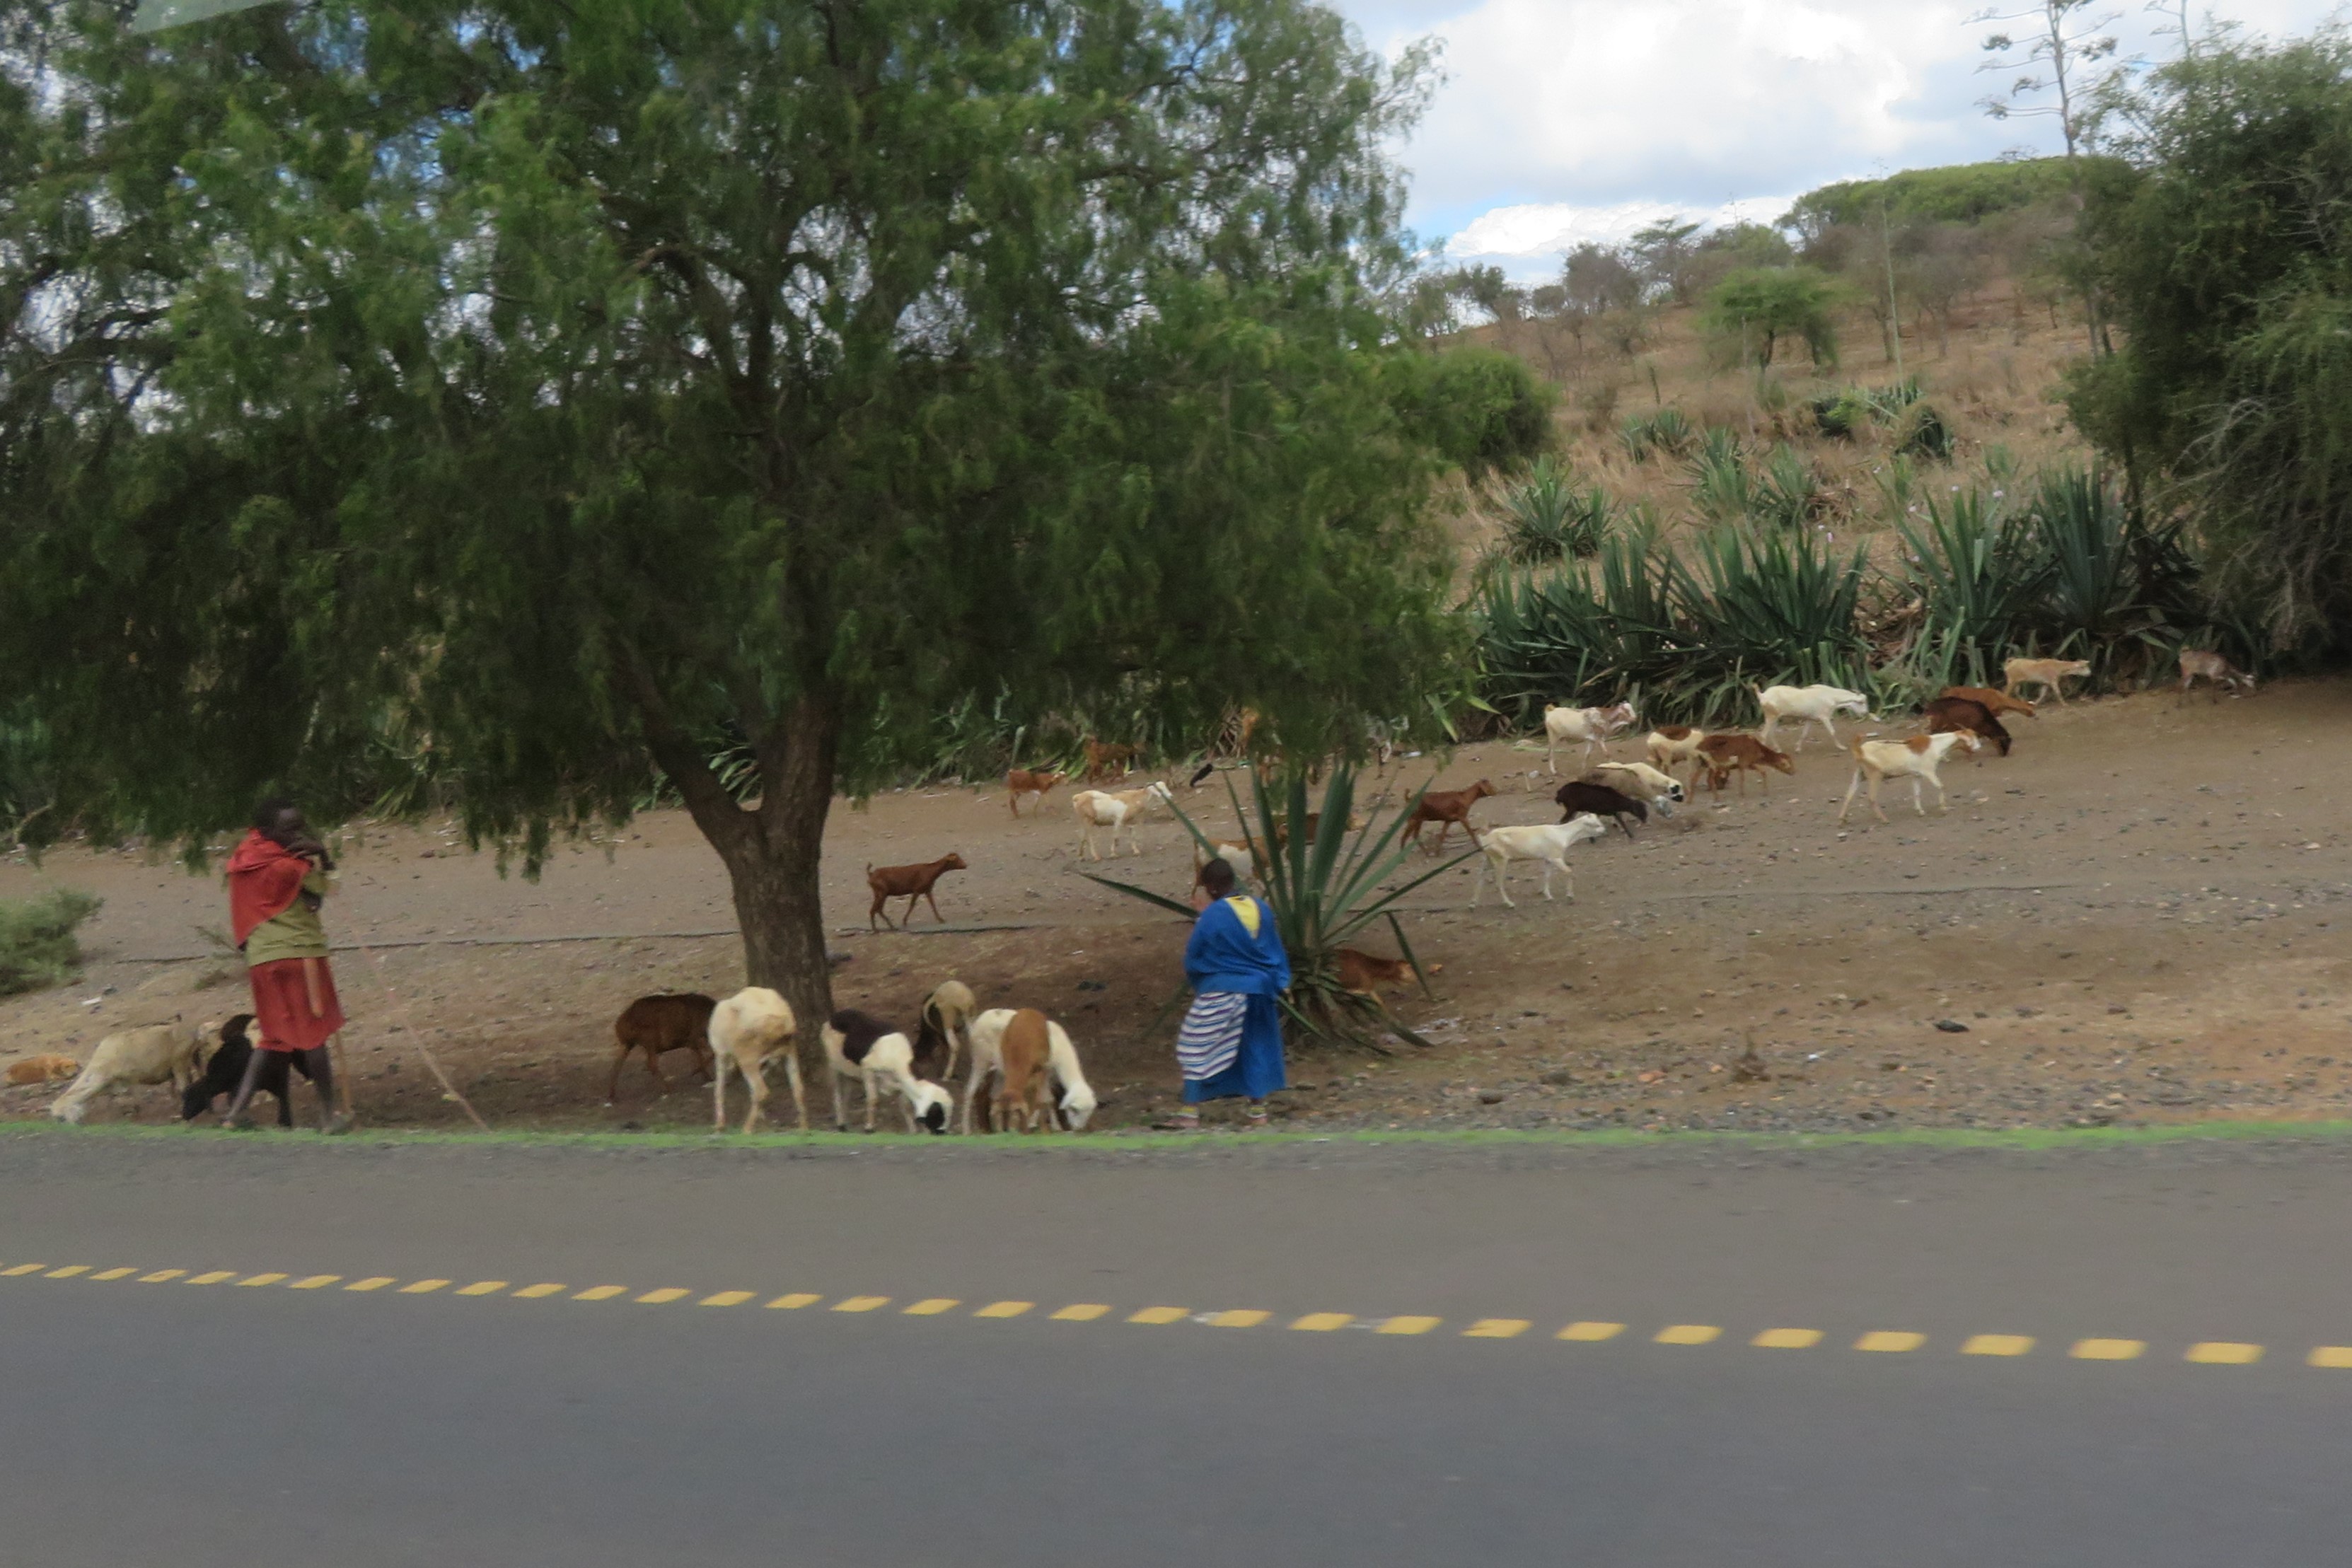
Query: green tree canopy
column 571, row 384
column 2224, row 244
column 1955, row 194
column 1756, row 306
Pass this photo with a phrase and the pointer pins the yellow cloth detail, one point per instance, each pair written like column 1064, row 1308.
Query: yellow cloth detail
column 1246, row 907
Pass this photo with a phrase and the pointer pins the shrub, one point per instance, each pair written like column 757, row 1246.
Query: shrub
column 1482, row 409
column 1924, row 434
column 1667, row 431
column 1720, row 484
column 37, row 947
column 1546, row 518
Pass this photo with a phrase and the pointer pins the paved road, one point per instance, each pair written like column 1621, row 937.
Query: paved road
column 946, row 1355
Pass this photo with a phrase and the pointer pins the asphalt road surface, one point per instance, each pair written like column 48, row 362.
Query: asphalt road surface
column 276, row 1351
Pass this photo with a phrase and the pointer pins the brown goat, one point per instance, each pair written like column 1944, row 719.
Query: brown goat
column 1446, row 807
column 1024, row 1092
column 1725, row 755
column 1102, row 756
column 46, row 1069
column 1366, row 976
column 910, row 883
column 1995, row 703
column 1020, row 781
column 1966, row 713
column 658, row 1024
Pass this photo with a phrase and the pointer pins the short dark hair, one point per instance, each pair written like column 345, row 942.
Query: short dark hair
column 266, row 815
column 1217, row 876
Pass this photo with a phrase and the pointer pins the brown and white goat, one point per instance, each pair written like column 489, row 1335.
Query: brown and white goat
column 1916, row 758
column 1671, row 745
column 1074, row 1103
column 1445, row 807
column 911, row 882
column 1591, row 726
column 1117, row 810
column 1966, row 713
column 1367, row 975
column 1024, row 1078
column 1021, row 781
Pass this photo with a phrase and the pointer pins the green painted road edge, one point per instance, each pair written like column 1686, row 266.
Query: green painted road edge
column 2014, row 1138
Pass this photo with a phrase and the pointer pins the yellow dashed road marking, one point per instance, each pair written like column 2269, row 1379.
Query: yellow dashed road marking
column 2221, row 1352
column 1688, row 1334
column 422, row 1287
column 861, row 1303
column 933, row 1306
column 1892, row 1341
column 160, row 1275
column 213, row 1277
column 483, row 1288
column 796, row 1300
column 2332, row 1356
column 1081, row 1313
column 315, row 1282
column 1158, row 1316
column 2107, row 1349
column 1323, row 1323
column 22, row 1268
column 70, row 1269
column 1998, row 1344
column 600, row 1292
column 1409, row 1325
column 1003, row 1309
column 251, row 1280
column 1498, row 1328
column 724, row 1298
column 373, row 1282
column 1787, row 1338
column 1590, row 1333
column 666, row 1293
column 114, row 1273
column 532, row 1292
column 1244, row 1318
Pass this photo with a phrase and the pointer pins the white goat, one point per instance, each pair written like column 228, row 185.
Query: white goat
column 1076, row 1104
column 1548, row 844
column 1117, row 809
column 1591, row 726
column 1807, row 705
column 1672, row 745
column 946, row 1026
column 862, row 1048
column 1643, row 782
column 1915, row 759
column 747, row 1030
column 151, row 1054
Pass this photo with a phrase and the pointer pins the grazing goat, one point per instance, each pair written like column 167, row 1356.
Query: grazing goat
column 1104, row 755
column 225, row 1071
column 44, row 1068
column 1671, row 745
column 1915, row 759
column 676, row 1021
column 2050, row 674
column 1807, row 707
column 1966, row 713
column 1241, row 854
column 946, row 1025
column 860, row 1046
column 1600, row 801
column 151, row 1053
column 1117, row 810
column 1995, row 703
column 1445, row 807
column 2198, row 663
column 1020, row 781
column 910, row 883
column 1549, row 845
column 1077, row 1103
column 747, row 1030
column 1591, row 726
column 1641, row 781
column 1365, row 975
column 1024, row 1075
column 1725, row 755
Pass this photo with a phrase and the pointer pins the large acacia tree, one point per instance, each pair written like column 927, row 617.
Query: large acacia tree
column 571, row 384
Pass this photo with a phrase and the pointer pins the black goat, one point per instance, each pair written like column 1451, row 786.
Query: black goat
column 225, row 1071
column 1577, row 796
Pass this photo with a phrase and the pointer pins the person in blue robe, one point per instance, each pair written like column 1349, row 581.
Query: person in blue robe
column 1231, row 1043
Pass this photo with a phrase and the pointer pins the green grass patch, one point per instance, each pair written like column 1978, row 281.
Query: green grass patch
column 37, row 945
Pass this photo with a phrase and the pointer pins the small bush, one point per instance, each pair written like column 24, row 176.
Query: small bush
column 1668, row 431
column 1546, row 518
column 36, row 939
column 1479, row 409
column 1924, row 434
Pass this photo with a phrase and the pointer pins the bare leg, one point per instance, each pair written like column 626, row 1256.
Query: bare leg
column 234, row 1116
column 321, row 1064
column 612, row 1089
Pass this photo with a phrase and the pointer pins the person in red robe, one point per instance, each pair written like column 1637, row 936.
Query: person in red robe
column 278, row 879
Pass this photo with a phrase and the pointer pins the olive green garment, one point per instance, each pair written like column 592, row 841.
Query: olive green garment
column 294, row 932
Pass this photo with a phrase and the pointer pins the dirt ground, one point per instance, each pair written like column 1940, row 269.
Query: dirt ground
column 2141, row 916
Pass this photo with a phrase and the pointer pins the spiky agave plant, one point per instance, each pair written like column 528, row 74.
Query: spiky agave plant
column 1325, row 888
column 1979, row 570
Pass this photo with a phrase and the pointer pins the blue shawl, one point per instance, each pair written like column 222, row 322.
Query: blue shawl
column 1235, row 947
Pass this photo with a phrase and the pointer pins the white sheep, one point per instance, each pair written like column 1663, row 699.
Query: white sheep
column 861, row 1048
column 1807, row 705
column 747, row 1030
column 1076, row 1104
column 1548, row 842
column 1590, row 725
column 1660, row 792
column 151, row 1054
column 1917, row 759
column 1117, row 809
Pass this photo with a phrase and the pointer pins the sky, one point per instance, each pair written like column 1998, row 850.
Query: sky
column 1562, row 121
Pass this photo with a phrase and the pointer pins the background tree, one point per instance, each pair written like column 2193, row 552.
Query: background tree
column 573, row 386
column 1751, row 311
column 2059, row 51
column 1661, row 253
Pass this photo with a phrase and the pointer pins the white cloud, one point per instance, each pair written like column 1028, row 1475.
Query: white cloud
column 1528, row 240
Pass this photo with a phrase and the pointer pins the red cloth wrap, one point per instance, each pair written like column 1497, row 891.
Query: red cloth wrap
column 264, row 879
column 281, row 1004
